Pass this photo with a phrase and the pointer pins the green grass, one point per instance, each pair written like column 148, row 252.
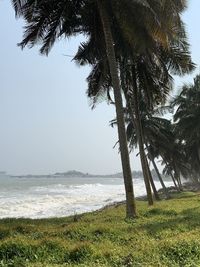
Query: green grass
column 167, row 234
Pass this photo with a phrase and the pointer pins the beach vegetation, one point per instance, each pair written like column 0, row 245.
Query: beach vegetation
column 170, row 230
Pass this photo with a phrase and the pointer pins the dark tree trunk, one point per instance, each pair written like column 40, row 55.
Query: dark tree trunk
column 165, row 190
column 174, row 181
column 172, row 176
column 155, row 192
column 140, row 137
column 178, row 179
column 142, row 155
column 130, row 200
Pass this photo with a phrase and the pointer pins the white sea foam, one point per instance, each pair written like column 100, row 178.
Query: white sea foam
column 61, row 197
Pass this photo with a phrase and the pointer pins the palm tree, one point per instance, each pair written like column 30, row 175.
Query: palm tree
column 145, row 74
column 147, row 77
column 155, row 138
column 187, row 124
column 112, row 62
column 152, row 159
column 171, row 151
column 50, row 20
column 151, row 69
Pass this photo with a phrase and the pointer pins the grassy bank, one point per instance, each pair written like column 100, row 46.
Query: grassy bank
column 166, row 235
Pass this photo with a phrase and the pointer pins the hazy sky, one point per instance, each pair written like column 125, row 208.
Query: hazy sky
column 46, row 124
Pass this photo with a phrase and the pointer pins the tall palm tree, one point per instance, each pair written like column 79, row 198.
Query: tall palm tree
column 187, row 124
column 112, row 62
column 154, row 88
column 145, row 74
column 152, row 159
column 151, row 70
column 49, row 20
column 148, row 77
column 155, row 137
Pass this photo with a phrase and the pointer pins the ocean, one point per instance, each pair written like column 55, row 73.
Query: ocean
column 61, row 196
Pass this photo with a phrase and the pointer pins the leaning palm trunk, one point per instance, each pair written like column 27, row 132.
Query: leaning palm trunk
column 165, row 190
column 139, row 133
column 143, row 160
column 174, row 181
column 178, row 179
column 179, row 183
column 155, row 192
column 144, row 168
column 172, row 176
column 130, row 200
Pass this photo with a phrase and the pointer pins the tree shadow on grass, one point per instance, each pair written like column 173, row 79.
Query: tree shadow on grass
column 183, row 195
column 188, row 219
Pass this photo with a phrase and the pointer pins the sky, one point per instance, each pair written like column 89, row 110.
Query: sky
column 46, row 122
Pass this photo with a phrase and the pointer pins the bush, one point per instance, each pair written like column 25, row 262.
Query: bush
column 80, row 253
column 11, row 250
column 4, row 233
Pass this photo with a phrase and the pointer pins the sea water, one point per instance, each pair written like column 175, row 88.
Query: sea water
column 33, row 197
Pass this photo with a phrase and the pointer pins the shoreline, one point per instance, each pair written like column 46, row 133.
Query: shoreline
column 187, row 187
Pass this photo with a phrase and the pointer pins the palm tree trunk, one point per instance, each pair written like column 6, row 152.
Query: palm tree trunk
column 179, row 183
column 130, row 200
column 155, row 192
column 165, row 190
column 172, row 176
column 142, row 154
column 145, row 172
column 139, row 133
column 174, row 181
column 178, row 179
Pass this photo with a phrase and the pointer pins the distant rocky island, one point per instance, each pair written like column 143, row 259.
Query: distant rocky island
column 85, row 175
column 74, row 173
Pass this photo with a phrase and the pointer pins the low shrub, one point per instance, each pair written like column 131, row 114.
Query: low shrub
column 11, row 250
column 4, row 233
column 80, row 253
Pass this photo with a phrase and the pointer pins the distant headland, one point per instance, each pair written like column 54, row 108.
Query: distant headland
column 79, row 174
column 72, row 173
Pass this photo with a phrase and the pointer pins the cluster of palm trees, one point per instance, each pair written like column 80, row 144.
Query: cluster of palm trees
column 133, row 48
column 186, row 128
